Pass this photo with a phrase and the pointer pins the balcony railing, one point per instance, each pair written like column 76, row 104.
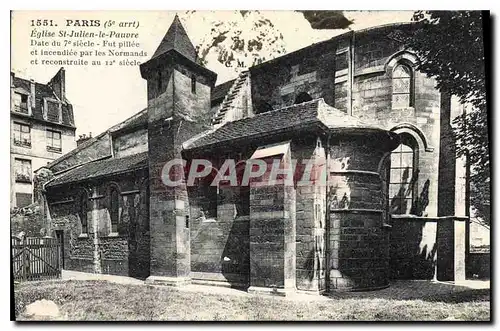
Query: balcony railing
column 23, row 178
column 22, row 108
column 22, row 142
column 54, row 149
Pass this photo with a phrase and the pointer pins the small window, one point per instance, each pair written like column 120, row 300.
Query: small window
column 114, row 209
column 22, row 135
column 54, row 141
column 22, row 170
column 21, row 103
column 193, row 84
column 402, row 86
column 302, row 97
column 53, row 111
column 82, row 211
column 263, row 107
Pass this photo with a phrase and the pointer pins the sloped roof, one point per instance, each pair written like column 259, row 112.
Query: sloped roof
column 44, row 91
column 177, row 39
column 299, row 116
column 272, row 121
column 102, row 168
column 136, row 120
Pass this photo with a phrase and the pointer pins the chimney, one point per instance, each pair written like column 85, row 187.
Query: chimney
column 83, row 138
column 58, row 84
column 12, row 75
column 62, row 77
column 32, row 93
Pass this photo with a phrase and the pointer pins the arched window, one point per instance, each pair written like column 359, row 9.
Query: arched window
column 263, row 107
column 403, row 175
column 302, row 97
column 82, row 211
column 114, row 209
column 402, row 86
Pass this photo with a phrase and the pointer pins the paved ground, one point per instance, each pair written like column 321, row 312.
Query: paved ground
column 399, row 290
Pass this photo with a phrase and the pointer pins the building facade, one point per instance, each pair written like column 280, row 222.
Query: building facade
column 377, row 129
column 42, row 129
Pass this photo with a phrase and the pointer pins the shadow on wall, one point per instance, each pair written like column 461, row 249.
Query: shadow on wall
column 235, row 259
column 410, row 257
column 138, row 235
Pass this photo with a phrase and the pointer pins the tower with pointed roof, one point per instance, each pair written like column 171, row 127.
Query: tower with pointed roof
column 179, row 92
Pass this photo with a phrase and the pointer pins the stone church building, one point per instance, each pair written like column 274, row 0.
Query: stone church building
column 394, row 206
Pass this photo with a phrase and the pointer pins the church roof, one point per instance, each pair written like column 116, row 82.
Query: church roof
column 315, row 113
column 102, row 168
column 177, row 39
column 286, row 118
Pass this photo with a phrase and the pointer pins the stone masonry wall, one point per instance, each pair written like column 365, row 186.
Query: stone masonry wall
column 376, row 54
column 358, row 253
column 310, row 217
column 281, row 81
column 99, row 250
column 219, row 246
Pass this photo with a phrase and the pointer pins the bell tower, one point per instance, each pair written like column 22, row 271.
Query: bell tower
column 178, row 91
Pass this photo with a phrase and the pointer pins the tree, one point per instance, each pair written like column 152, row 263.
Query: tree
column 450, row 46
column 326, row 19
column 243, row 39
column 246, row 38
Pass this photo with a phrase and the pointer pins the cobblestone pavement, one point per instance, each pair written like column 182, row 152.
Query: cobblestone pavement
column 399, row 290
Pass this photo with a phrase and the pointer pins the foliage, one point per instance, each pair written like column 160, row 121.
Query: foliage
column 241, row 40
column 326, row 19
column 450, row 46
column 28, row 220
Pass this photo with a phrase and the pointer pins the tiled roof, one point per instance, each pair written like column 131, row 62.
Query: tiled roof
column 177, row 39
column 272, row 121
column 139, row 119
column 44, row 91
column 102, row 168
column 314, row 112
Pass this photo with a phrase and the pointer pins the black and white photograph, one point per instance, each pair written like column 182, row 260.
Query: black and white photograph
column 250, row 165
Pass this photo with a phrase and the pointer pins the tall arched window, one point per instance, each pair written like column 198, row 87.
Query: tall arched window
column 403, row 175
column 82, row 211
column 402, row 85
column 114, row 209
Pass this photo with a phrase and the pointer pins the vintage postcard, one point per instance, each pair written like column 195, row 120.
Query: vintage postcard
column 250, row 165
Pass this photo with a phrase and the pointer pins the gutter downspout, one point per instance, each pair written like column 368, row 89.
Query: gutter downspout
column 327, row 216
column 351, row 71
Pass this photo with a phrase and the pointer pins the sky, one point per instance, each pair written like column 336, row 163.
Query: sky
column 106, row 95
